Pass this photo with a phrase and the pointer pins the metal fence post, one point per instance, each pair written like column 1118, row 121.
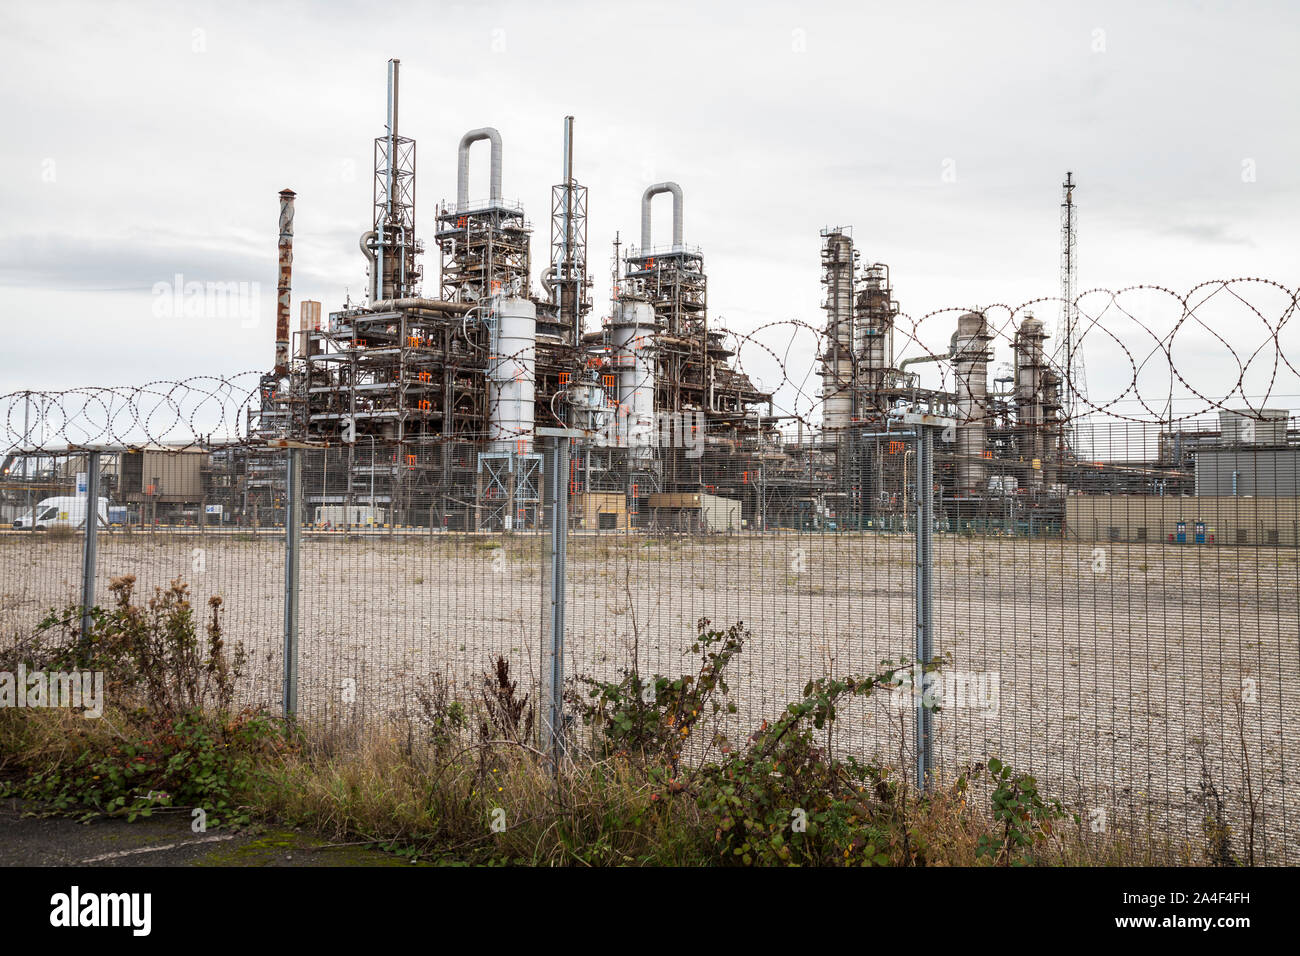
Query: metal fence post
column 27, row 462
column 924, row 589
column 90, row 546
column 552, row 704
column 292, row 543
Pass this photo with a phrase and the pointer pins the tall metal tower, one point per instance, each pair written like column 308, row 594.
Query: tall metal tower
column 567, row 278
column 392, row 246
column 1069, row 356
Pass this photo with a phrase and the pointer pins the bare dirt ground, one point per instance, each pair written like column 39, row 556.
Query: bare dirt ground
column 1136, row 681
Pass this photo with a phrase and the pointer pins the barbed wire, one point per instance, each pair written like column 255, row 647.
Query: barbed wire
column 1141, row 352
column 201, row 411
column 1132, row 362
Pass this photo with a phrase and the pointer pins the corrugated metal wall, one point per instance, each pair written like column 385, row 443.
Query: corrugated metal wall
column 1240, row 471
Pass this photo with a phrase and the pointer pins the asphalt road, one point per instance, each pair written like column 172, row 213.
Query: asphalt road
column 164, row 839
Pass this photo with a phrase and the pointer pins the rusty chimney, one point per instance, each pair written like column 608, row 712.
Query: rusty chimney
column 286, row 276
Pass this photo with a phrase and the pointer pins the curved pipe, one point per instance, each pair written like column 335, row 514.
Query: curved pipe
column 902, row 367
column 368, row 250
column 646, row 197
column 429, row 305
column 462, row 167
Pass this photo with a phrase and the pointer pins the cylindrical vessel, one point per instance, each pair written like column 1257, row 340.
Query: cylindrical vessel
column 511, row 376
column 632, row 342
column 1036, row 401
column 970, row 359
column 837, row 356
column 874, row 331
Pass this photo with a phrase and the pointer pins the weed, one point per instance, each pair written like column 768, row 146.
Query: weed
column 1022, row 816
column 655, row 717
column 507, row 716
column 171, row 739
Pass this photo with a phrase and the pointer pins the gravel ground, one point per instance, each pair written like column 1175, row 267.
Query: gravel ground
column 1135, row 680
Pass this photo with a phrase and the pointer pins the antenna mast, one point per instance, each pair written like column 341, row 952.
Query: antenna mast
column 1069, row 355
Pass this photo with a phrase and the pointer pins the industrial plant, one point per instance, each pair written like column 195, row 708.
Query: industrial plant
column 430, row 411
column 436, row 402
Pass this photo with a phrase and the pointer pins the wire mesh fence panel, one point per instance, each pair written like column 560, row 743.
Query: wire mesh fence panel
column 815, row 603
column 41, row 550
column 1142, row 661
column 239, row 569
column 819, row 593
column 1107, row 583
column 151, row 538
column 401, row 591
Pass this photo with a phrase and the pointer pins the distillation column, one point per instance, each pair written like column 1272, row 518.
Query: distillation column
column 970, row 361
column 874, row 329
column 632, row 343
column 1037, row 402
column 837, row 353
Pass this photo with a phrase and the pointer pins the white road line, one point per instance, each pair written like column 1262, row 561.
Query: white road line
column 117, row 854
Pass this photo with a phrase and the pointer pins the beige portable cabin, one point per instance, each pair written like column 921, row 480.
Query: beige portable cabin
column 695, row 511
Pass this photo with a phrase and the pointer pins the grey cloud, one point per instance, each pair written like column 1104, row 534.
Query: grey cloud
column 124, row 264
column 1213, row 233
column 769, row 143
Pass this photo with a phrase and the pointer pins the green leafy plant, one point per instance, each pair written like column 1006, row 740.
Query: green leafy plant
column 438, row 713
column 782, row 799
column 174, row 739
column 655, row 717
column 151, row 654
column 1026, row 818
column 191, row 761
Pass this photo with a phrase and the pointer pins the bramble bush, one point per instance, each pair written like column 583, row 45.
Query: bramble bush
column 781, row 797
column 654, row 717
column 174, row 738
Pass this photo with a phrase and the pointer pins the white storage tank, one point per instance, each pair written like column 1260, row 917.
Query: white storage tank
column 511, row 376
column 632, row 342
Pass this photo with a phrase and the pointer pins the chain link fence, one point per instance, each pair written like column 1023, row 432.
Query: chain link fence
column 1111, row 594
column 1132, row 643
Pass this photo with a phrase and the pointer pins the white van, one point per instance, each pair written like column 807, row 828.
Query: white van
column 61, row 513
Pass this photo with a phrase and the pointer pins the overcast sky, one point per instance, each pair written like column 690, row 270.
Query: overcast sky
column 143, row 141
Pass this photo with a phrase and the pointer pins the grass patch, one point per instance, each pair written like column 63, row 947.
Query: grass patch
column 651, row 777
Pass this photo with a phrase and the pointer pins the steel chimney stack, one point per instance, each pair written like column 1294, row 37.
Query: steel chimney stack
column 285, row 283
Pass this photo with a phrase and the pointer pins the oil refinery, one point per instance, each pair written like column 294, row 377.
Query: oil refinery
column 423, row 411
